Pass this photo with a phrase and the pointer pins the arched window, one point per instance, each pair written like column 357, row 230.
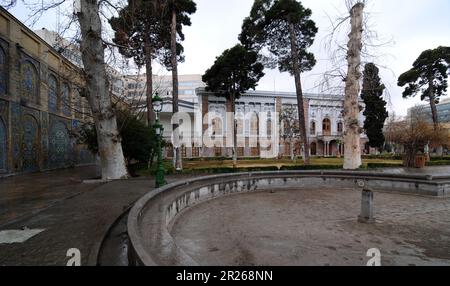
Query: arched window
column 269, row 128
column 2, row 146
column 217, row 126
column 239, row 126
column 78, row 102
column 340, row 127
column 254, row 128
column 314, row 149
column 52, row 94
column 326, row 126
column 3, row 72
column 312, row 130
column 29, row 81
column 65, row 99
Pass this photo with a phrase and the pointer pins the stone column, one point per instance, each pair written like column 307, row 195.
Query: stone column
column 366, row 207
column 205, row 124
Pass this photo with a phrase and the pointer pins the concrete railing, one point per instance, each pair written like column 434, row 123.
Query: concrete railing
column 151, row 219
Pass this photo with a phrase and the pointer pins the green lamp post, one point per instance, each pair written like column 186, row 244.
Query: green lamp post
column 159, row 130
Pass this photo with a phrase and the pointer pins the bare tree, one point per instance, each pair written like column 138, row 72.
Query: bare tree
column 345, row 74
column 414, row 133
column 290, row 125
column 353, row 130
column 93, row 54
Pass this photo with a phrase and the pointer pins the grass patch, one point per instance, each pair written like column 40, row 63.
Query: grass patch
column 222, row 165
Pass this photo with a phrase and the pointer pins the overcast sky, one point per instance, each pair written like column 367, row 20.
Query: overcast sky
column 413, row 25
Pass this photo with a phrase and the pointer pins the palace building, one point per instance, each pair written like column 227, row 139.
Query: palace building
column 40, row 103
column 325, row 124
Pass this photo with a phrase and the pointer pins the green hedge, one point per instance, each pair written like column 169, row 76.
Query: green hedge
column 383, row 165
column 311, row 167
column 439, row 159
column 383, row 157
column 438, row 163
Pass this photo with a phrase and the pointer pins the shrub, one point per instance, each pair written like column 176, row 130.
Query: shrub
column 138, row 140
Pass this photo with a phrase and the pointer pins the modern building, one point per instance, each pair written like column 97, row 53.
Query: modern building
column 40, row 103
column 136, row 86
column 443, row 110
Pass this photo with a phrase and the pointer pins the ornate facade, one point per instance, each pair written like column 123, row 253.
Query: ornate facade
column 257, row 114
column 40, row 104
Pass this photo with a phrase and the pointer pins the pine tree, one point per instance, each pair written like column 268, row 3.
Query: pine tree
column 428, row 77
column 142, row 32
column 233, row 73
column 375, row 112
column 285, row 28
column 178, row 13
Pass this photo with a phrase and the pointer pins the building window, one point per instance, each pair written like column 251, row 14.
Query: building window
column 217, row 126
column 78, row 101
column 3, row 145
column 239, row 126
column 29, row 80
column 269, row 128
column 254, row 128
column 312, row 129
column 52, row 94
column 340, row 127
column 326, row 127
column 65, row 99
column 314, row 149
column 3, row 72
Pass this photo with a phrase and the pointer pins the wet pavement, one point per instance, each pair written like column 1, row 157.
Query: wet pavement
column 313, row 227
column 70, row 214
column 26, row 195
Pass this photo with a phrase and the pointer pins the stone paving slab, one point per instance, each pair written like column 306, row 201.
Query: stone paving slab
column 26, row 195
column 74, row 215
column 80, row 222
column 311, row 227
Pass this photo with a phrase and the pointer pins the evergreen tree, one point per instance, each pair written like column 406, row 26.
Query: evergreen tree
column 375, row 112
column 285, row 28
column 428, row 77
column 233, row 73
column 142, row 32
column 178, row 11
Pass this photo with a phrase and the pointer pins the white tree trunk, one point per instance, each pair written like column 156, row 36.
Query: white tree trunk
column 109, row 141
column 352, row 135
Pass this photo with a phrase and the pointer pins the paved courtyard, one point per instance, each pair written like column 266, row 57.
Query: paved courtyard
column 70, row 213
column 315, row 228
column 43, row 215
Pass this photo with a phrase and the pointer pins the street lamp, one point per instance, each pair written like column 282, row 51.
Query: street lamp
column 159, row 130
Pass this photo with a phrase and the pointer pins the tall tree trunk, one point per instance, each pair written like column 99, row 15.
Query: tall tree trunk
column 233, row 110
column 178, row 163
column 433, row 104
column 93, row 55
column 352, row 134
column 299, row 91
column 149, row 83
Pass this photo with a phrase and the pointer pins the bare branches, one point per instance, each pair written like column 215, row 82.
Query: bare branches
column 334, row 44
